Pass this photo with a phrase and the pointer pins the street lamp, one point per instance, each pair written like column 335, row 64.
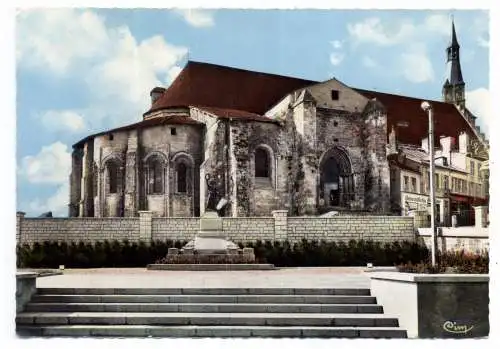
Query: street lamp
column 428, row 108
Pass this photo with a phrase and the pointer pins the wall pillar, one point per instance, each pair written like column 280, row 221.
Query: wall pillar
column 481, row 216
column 280, row 224
column 131, row 186
column 19, row 228
column 145, row 225
column 75, row 183
column 419, row 219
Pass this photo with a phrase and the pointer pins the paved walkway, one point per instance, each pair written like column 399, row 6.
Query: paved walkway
column 352, row 277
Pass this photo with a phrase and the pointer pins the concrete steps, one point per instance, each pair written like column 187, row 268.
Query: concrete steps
column 206, row 313
column 207, row 291
column 262, row 299
column 211, row 331
column 204, row 308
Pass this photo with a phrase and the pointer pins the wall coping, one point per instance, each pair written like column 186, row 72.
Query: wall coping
column 26, row 275
column 459, row 232
column 81, row 218
column 347, row 216
column 429, row 278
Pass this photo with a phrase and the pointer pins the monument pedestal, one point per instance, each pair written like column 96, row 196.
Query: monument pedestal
column 210, row 246
column 211, row 238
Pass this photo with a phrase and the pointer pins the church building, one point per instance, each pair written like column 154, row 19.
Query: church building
column 272, row 142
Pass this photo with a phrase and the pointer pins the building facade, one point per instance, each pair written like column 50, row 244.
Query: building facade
column 272, row 142
column 460, row 179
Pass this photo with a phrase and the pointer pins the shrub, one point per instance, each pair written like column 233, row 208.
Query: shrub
column 461, row 262
column 311, row 253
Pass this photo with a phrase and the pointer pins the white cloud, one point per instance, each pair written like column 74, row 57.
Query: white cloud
column 369, row 62
column 394, row 32
column 479, row 103
column 118, row 70
column 56, row 39
column 336, row 58
column 416, row 66
column 197, row 18
column 63, row 120
column 52, row 165
column 396, row 35
column 482, row 42
column 480, row 29
column 439, row 24
column 337, row 44
column 173, row 72
column 57, row 203
column 372, row 30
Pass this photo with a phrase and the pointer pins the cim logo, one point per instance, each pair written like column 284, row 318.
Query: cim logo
column 453, row 327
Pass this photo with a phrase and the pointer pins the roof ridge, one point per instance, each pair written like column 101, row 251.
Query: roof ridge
column 360, row 90
column 250, row 71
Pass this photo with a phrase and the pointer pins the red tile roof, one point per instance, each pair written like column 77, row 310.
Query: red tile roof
column 237, row 114
column 209, row 85
column 156, row 121
column 406, row 110
column 247, row 95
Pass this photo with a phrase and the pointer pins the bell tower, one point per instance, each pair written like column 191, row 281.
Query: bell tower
column 454, row 86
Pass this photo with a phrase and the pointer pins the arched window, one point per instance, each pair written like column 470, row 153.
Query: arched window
column 261, row 163
column 155, row 181
column 113, row 176
column 182, row 178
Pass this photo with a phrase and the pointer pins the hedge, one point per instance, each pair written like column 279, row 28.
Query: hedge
column 461, row 262
column 51, row 254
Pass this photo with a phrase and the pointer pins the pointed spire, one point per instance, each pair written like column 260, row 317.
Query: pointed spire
column 454, row 85
column 454, row 41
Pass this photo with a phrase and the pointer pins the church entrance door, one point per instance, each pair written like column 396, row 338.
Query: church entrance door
column 336, row 184
column 330, row 179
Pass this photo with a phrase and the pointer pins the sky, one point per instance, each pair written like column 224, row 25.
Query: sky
column 81, row 71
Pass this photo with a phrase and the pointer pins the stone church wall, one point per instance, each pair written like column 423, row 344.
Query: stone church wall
column 337, row 128
column 255, row 196
column 131, row 148
column 377, row 176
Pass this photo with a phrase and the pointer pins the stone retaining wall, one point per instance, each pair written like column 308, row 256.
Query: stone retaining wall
column 242, row 229
column 471, row 239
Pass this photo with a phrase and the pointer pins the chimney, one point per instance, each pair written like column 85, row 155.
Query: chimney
column 156, row 93
column 463, row 142
column 446, row 143
column 425, row 144
column 446, row 147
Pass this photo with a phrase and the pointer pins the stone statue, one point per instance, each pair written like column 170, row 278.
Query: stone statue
column 213, row 184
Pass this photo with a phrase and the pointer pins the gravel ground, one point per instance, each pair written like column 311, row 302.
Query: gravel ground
column 339, row 277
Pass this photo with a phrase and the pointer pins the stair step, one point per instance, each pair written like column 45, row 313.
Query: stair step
column 208, row 291
column 207, row 319
column 282, row 299
column 211, row 331
column 203, row 308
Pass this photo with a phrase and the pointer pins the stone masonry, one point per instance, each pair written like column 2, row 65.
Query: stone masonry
column 312, row 153
column 279, row 227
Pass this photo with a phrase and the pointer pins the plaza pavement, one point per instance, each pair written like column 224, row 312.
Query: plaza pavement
column 330, row 277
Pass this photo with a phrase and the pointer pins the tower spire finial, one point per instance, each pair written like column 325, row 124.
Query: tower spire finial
column 454, row 41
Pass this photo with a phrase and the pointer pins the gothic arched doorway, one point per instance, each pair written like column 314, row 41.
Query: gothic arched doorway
column 336, row 179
